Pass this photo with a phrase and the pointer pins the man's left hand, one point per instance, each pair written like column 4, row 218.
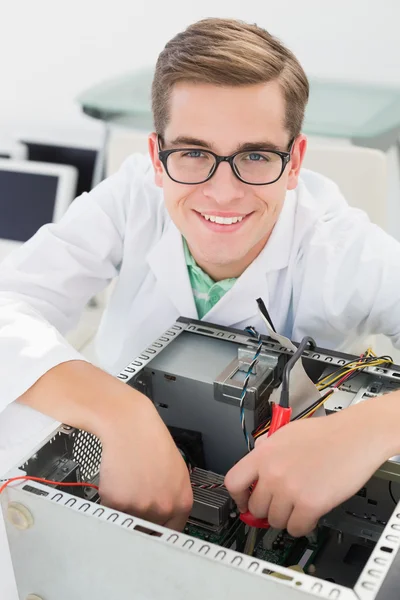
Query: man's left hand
column 310, row 466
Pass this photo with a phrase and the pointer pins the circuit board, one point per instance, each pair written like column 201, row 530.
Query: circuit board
column 277, row 547
column 232, row 536
column 285, row 550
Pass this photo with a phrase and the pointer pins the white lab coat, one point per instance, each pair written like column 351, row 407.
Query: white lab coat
column 326, row 271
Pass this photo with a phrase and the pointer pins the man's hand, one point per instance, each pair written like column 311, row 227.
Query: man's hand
column 142, row 471
column 308, row 467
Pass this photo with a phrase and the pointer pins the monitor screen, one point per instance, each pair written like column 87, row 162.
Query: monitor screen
column 82, row 158
column 27, row 202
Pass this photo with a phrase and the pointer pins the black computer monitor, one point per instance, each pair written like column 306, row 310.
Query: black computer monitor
column 31, row 195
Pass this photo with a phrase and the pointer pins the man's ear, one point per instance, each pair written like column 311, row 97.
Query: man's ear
column 153, row 151
column 298, row 154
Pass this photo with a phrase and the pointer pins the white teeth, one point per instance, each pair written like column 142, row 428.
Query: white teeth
column 222, row 220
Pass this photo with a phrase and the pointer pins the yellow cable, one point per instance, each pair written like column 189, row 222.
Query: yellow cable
column 305, row 416
column 332, row 378
column 351, row 367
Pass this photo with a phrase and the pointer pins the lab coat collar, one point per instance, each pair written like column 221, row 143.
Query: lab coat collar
column 167, row 261
column 276, row 253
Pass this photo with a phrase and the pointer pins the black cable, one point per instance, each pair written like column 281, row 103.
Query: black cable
column 391, row 493
column 264, row 311
column 389, row 358
column 310, row 408
column 284, row 400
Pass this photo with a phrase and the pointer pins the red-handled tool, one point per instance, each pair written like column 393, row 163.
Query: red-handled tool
column 281, row 414
column 280, row 417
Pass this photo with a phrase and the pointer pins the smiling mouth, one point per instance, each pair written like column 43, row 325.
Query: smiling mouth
column 222, row 220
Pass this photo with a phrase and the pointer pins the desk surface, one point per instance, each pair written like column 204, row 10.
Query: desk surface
column 335, row 109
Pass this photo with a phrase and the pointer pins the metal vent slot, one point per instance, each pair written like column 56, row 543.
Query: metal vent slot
column 87, row 452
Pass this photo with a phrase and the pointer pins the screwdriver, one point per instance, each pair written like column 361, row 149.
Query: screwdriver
column 280, row 417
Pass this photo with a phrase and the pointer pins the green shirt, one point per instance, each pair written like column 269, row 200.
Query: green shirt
column 206, row 291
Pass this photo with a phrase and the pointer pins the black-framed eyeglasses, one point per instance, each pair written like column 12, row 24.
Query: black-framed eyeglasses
column 192, row 166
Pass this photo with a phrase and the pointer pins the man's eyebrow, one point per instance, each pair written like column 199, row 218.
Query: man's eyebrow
column 187, row 141
column 267, row 145
column 183, row 140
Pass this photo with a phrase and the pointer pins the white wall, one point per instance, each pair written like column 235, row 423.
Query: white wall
column 51, row 51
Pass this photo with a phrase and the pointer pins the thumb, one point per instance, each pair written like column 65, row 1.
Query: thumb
column 239, row 479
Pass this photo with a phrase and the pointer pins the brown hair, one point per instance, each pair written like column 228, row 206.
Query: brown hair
column 232, row 53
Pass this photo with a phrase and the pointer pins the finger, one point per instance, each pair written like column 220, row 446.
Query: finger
column 301, row 522
column 260, row 501
column 279, row 512
column 239, row 479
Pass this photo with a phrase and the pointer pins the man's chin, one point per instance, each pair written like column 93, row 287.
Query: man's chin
column 220, row 257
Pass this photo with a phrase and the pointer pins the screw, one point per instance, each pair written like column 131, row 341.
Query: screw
column 312, row 569
column 19, row 515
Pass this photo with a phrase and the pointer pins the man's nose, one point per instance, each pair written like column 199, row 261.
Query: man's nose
column 224, row 186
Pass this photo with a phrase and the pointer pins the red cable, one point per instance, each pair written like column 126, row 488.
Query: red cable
column 41, row 480
column 339, row 383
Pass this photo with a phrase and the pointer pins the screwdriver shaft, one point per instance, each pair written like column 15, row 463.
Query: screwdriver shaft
column 250, row 541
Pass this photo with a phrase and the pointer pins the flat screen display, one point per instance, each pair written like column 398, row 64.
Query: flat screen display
column 26, row 203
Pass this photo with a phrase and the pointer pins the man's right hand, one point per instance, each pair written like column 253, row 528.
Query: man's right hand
column 142, row 471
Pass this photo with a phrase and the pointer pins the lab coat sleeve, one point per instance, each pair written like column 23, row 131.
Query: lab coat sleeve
column 45, row 284
column 348, row 281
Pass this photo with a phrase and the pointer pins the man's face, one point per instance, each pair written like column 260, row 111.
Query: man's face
column 223, row 119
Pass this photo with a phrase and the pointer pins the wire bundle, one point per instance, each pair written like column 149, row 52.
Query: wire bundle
column 331, row 383
column 308, row 412
column 368, row 359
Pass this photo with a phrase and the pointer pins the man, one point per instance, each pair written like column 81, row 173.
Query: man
column 219, row 217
